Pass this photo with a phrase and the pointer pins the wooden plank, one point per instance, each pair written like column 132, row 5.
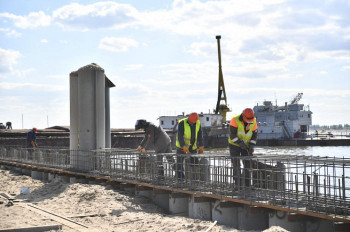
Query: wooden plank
column 58, row 218
column 33, row 228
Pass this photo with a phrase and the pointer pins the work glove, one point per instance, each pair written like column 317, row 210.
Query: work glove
column 32, row 142
column 251, row 151
column 139, row 148
column 36, row 145
column 242, row 145
column 185, row 149
column 200, row 150
column 143, row 150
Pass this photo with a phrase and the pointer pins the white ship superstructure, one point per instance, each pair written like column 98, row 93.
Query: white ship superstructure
column 207, row 120
column 283, row 122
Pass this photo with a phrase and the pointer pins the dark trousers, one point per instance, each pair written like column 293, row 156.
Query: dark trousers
column 169, row 158
column 181, row 156
column 239, row 176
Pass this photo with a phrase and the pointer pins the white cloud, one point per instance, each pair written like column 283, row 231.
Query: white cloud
column 11, row 33
column 131, row 67
column 96, row 15
column 8, row 58
column 42, row 87
column 32, row 20
column 44, row 41
column 115, row 44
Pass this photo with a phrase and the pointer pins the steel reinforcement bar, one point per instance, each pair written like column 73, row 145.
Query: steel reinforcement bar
column 309, row 185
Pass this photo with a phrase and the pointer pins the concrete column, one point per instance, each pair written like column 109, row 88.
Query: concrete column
column 178, row 204
column 74, row 112
column 161, row 198
column 143, row 191
column 107, row 119
column 225, row 213
column 89, row 114
column 319, row 225
column 64, row 178
column 200, row 208
column 45, row 176
column 36, row 175
column 252, row 218
column 127, row 187
column 287, row 221
column 51, row 176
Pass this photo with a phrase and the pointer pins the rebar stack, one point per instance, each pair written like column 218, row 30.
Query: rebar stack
column 304, row 183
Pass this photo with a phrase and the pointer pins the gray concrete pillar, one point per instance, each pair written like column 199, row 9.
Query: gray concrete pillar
column 143, row 191
column 252, row 218
column 287, row 221
column 51, row 176
column 178, row 204
column 319, row 225
column 200, row 208
column 107, row 119
column 45, row 176
column 225, row 213
column 36, row 175
column 161, row 198
column 89, row 113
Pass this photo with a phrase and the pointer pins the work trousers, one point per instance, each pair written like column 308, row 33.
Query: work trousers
column 240, row 176
column 180, row 158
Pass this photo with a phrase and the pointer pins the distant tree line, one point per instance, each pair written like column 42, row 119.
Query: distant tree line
column 329, row 127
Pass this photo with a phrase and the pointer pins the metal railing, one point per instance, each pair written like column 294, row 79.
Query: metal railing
column 304, row 183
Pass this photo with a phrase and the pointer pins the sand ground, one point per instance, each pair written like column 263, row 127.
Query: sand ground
column 98, row 207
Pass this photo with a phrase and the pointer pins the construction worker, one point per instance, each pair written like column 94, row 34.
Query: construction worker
column 31, row 141
column 189, row 137
column 242, row 140
column 8, row 125
column 156, row 136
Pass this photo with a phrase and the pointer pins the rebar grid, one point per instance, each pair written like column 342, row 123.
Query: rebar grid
column 304, row 183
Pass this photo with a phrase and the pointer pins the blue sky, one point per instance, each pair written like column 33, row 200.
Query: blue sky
column 162, row 56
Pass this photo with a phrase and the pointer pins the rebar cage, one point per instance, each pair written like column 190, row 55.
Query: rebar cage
column 304, row 183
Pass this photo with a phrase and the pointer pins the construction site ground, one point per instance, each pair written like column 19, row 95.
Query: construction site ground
column 86, row 207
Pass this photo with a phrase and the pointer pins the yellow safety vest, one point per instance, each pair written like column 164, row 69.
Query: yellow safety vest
column 241, row 134
column 187, row 134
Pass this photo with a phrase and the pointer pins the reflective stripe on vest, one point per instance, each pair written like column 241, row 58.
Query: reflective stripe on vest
column 246, row 137
column 187, row 134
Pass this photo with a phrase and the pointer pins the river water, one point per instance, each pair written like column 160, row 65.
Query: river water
column 331, row 151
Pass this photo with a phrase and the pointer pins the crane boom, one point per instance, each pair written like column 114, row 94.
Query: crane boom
column 221, row 108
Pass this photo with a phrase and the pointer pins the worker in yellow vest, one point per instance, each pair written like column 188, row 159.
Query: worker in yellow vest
column 242, row 140
column 189, row 140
